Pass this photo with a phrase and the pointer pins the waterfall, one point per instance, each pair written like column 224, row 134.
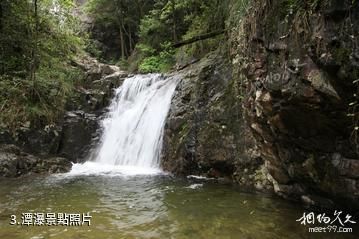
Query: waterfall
column 133, row 129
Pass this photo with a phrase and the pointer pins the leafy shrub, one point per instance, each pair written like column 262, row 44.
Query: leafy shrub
column 161, row 62
column 39, row 101
column 37, row 45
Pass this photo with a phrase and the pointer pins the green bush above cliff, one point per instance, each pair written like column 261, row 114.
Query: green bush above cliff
column 37, row 40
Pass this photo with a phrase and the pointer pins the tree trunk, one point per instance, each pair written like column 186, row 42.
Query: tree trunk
column 173, row 3
column 130, row 39
column 2, row 67
column 122, row 44
column 139, row 9
column 0, row 17
column 35, row 41
column 122, row 39
column 34, row 60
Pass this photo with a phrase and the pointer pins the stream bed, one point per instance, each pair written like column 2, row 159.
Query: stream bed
column 155, row 206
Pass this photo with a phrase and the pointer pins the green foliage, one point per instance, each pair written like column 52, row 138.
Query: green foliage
column 151, row 64
column 93, row 48
column 172, row 21
column 161, row 62
column 139, row 29
column 37, row 102
column 37, row 41
column 116, row 26
column 210, row 16
column 146, row 49
column 238, row 10
column 14, row 38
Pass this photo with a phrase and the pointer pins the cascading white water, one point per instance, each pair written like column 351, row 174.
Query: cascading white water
column 133, row 129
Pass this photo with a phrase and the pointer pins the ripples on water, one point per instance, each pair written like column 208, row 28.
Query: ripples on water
column 149, row 207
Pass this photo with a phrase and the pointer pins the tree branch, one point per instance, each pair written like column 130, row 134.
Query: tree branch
column 198, row 38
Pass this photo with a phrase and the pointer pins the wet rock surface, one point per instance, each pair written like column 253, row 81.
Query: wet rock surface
column 79, row 133
column 98, row 89
column 204, row 133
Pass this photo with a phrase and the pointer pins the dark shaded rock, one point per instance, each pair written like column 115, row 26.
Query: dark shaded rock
column 79, row 131
column 346, row 167
column 5, row 137
column 40, row 141
column 56, row 165
column 14, row 163
column 8, row 161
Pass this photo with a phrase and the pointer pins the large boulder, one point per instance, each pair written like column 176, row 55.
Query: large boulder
column 204, row 132
column 79, row 133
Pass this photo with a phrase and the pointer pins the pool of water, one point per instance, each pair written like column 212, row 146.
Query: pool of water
column 149, row 207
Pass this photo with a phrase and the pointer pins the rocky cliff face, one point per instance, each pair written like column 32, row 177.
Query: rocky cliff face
column 299, row 63
column 204, row 133
column 285, row 118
